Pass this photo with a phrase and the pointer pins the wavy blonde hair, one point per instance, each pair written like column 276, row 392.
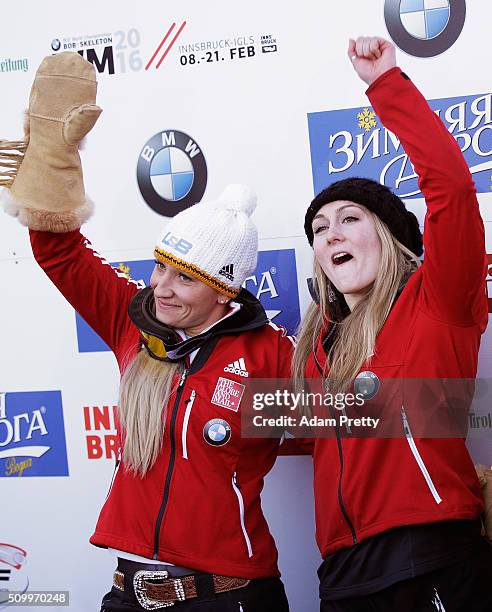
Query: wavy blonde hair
column 355, row 335
column 145, row 389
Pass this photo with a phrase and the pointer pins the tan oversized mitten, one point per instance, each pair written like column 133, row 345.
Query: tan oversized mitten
column 485, row 478
column 43, row 173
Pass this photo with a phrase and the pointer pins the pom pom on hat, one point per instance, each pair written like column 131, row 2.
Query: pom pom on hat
column 237, row 198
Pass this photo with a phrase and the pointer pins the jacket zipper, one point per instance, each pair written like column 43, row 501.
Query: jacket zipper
column 340, row 495
column 185, row 423
column 172, row 458
column 418, row 457
column 237, row 491
column 341, row 503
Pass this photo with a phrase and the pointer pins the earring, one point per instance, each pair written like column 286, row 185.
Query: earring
column 331, row 294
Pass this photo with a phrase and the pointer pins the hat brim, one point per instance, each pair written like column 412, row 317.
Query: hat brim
column 198, row 273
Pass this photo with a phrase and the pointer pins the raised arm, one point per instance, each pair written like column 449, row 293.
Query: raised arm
column 454, row 266
column 98, row 292
column 45, row 190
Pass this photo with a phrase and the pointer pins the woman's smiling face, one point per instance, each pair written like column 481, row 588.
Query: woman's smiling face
column 347, row 247
column 184, row 302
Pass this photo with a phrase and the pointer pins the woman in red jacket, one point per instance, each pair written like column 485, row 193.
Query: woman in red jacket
column 183, row 514
column 398, row 518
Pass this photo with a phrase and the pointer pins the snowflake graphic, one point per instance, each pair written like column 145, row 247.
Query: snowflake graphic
column 367, row 119
column 125, row 270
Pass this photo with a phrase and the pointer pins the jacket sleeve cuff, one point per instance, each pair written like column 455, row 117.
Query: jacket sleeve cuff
column 392, row 73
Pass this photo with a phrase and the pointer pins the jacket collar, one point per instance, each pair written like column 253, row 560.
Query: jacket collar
column 165, row 344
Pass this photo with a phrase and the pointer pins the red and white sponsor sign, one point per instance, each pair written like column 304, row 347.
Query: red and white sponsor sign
column 228, row 394
column 101, row 437
column 12, row 555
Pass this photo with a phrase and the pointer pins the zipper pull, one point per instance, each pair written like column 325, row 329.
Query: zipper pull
column 406, row 427
column 192, row 397
column 182, row 379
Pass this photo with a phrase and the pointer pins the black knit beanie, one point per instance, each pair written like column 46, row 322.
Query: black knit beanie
column 378, row 199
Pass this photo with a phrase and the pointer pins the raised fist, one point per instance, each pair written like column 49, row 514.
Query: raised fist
column 371, row 56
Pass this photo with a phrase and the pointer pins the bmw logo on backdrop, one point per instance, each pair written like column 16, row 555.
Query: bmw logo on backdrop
column 424, row 28
column 171, row 172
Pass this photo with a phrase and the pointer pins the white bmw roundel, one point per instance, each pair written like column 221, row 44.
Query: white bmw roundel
column 217, row 432
column 424, row 28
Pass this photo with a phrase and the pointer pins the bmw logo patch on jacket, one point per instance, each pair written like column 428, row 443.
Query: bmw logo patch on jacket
column 199, row 504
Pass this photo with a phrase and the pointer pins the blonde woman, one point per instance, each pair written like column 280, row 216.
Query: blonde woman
column 183, row 514
column 398, row 519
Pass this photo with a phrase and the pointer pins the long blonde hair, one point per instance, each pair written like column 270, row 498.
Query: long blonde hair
column 355, row 335
column 145, row 389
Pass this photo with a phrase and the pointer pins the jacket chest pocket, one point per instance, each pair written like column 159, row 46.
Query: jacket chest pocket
column 379, row 394
column 241, row 512
column 418, row 457
column 206, row 427
column 186, row 420
column 397, row 402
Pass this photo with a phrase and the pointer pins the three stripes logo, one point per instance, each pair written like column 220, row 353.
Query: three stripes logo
column 168, row 47
column 237, row 367
column 227, row 271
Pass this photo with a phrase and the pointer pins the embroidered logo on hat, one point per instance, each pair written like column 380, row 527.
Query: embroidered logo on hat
column 227, row 271
column 178, row 244
column 217, row 432
column 228, row 394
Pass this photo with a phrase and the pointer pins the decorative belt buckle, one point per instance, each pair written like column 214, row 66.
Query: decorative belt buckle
column 141, row 591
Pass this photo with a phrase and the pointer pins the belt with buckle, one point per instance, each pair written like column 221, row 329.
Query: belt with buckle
column 158, row 589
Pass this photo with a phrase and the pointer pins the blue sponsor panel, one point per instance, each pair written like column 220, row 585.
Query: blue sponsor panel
column 274, row 283
column 353, row 142
column 32, row 434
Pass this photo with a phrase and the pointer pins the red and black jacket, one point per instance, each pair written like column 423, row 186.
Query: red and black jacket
column 364, row 487
column 199, row 505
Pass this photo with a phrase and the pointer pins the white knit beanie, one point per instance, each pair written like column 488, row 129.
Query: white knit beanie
column 216, row 242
